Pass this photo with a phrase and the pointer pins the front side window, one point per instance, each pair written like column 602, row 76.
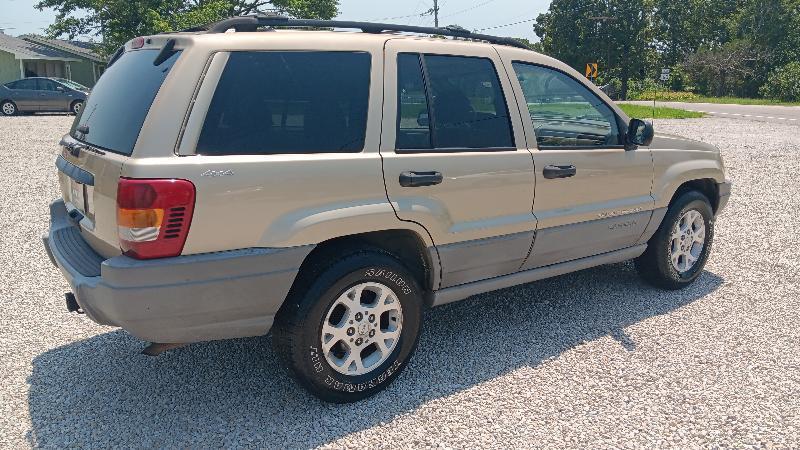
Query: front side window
column 564, row 112
column 451, row 102
column 289, row 102
column 46, row 85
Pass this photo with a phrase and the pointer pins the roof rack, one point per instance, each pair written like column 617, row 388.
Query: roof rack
column 254, row 21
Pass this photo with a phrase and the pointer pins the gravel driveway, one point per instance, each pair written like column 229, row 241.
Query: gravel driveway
column 593, row 359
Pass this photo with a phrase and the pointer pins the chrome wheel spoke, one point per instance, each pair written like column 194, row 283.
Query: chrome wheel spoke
column 353, row 363
column 386, row 302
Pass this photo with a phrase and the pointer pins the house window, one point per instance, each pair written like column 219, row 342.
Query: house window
column 45, row 68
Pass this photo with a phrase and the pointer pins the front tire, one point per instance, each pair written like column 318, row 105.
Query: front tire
column 8, row 108
column 353, row 329
column 678, row 252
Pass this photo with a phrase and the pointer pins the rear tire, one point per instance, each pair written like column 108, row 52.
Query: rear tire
column 678, row 252
column 8, row 108
column 76, row 106
column 350, row 330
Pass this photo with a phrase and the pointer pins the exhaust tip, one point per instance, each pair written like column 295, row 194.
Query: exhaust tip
column 156, row 348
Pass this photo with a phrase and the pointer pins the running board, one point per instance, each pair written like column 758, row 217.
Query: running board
column 456, row 293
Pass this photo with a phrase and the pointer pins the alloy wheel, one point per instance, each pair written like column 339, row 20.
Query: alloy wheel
column 9, row 109
column 687, row 241
column 362, row 328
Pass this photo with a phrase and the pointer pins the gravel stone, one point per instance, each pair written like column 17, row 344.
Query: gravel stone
column 595, row 359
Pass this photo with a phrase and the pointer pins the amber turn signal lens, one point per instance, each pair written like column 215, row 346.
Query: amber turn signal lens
column 140, row 218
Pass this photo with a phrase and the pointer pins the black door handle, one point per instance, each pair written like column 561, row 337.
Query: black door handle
column 417, row 179
column 552, row 172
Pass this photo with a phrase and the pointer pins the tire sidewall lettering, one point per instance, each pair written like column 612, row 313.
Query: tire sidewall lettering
column 334, row 383
column 317, row 365
column 390, row 276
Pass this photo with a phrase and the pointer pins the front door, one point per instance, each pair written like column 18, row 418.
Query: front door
column 50, row 99
column 455, row 159
column 592, row 195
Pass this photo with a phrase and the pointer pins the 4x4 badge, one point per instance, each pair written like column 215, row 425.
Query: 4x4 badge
column 217, row 173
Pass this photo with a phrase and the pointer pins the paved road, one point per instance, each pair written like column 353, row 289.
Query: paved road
column 761, row 113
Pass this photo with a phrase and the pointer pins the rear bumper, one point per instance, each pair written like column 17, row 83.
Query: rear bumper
column 724, row 193
column 175, row 300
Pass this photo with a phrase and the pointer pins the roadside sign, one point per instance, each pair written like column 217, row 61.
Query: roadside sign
column 591, row 70
column 665, row 74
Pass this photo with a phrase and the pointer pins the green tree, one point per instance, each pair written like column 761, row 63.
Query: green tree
column 614, row 33
column 783, row 83
column 117, row 21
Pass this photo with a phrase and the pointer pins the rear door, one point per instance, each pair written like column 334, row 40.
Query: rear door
column 455, row 158
column 592, row 195
column 25, row 94
column 102, row 139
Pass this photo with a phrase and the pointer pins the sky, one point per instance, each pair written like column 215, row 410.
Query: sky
column 20, row 17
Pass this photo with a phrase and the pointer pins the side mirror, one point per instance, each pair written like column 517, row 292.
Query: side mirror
column 423, row 120
column 640, row 132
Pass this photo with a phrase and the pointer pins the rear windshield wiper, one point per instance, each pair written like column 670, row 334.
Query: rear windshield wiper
column 166, row 52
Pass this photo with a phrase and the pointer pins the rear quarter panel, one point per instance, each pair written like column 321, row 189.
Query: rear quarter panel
column 282, row 200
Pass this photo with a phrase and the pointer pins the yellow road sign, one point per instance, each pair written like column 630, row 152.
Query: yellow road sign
column 591, row 70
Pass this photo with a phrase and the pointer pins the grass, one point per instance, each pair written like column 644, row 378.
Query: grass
column 646, row 112
column 688, row 97
column 741, row 101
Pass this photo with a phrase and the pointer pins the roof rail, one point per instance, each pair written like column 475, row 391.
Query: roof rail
column 254, row 21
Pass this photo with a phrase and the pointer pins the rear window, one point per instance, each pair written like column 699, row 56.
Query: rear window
column 119, row 102
column 289, row 102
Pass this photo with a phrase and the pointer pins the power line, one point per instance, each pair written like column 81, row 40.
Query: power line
column 507, row 24
column 470, row 8
column 397, row 17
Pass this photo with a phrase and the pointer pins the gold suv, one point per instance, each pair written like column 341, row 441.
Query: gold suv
column 330, row 185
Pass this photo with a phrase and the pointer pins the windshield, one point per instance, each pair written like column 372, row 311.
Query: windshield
column 72, row 84
column 119, row 103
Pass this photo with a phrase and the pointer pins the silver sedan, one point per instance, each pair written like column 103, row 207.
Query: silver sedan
column 42, row 95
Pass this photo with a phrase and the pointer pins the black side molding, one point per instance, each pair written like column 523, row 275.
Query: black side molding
column 74, row 172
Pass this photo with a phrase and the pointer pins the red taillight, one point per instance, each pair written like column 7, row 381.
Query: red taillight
column 137, row 42
column 153, row 216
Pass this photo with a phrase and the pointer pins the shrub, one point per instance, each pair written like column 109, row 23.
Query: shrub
column 783, row 83
column 646, row 89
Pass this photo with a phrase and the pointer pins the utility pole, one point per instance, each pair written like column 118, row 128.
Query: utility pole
column 435, row 12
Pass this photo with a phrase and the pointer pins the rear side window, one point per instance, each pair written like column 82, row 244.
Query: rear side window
column 23, row 84
column 289, row 102
column 451, row 102
column 120, row 101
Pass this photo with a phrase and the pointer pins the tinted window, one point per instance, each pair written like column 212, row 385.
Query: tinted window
column 121, row 99
column 46, row 85
column 469, row 109
column 413, row 129
column 450, row 102
column 564, row 112
column 28, row 83
column 288, row 102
